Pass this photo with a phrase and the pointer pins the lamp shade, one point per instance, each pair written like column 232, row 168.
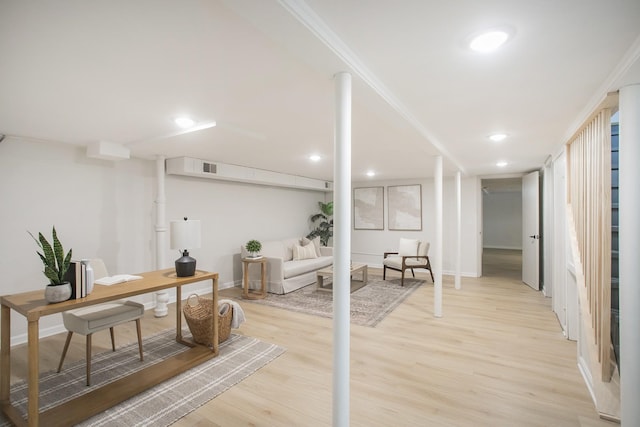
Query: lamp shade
column 185, row 234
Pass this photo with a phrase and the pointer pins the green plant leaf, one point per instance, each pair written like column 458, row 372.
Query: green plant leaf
column 53, row 259
column 48, row 251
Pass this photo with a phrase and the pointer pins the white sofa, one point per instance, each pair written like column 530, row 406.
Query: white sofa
column 284, row 273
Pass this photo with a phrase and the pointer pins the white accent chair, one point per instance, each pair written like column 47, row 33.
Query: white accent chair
column 411, row 254
column 88, row 320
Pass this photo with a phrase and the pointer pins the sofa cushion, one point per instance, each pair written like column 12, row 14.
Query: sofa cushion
column 316, row 244
column 408, row 247
column 295, row 268
column 304, row 252
column 288, row 245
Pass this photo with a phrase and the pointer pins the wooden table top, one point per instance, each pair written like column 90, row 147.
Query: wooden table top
column 32, row 304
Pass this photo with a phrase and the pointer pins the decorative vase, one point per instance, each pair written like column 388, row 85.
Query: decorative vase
column 90, row 278
column 57, row 293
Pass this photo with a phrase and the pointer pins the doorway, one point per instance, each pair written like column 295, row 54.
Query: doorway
column 502, row 227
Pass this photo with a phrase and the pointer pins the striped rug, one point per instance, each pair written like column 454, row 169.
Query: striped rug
column 240, row 356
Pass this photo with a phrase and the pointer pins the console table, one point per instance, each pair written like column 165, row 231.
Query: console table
column 33, row 306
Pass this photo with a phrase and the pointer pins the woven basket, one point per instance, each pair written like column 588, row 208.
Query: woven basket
column 198, row 312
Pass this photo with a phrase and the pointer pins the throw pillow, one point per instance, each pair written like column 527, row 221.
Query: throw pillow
column 316, row 244
column 408, row 247
column 304, row 252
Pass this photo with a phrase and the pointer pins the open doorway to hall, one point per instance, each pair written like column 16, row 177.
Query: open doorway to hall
column 502, row 228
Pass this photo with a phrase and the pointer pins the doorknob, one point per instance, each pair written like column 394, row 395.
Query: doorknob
column 535, row 236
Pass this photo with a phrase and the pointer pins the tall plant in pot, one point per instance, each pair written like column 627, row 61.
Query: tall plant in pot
column 323, row 221
column 56, row 264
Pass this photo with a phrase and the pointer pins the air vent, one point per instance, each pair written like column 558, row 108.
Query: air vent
column 209, row 167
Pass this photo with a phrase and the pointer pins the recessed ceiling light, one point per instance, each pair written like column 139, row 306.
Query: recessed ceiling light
column 371, row 173
column 314, row 158
column 184, row 122
column 501, row 164
column 497, row 137
column 489, row 41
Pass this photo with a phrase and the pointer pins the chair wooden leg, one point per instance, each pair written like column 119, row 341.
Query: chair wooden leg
column 64, row 351
column 88, row 357
column 113, row 339
column 413, row 274
column 139, row 330
column 402, row 279
column 384, row 272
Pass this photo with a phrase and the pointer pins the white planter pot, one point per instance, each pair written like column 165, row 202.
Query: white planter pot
column 57, row 293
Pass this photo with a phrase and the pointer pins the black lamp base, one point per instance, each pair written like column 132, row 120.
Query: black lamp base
column 185, row 265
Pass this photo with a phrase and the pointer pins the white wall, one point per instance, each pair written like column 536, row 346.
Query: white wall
column 368, row 246
column 106, row 209
column 502, row 219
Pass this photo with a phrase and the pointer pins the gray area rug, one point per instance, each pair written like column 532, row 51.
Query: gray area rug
column 369, row 304
column 164, row 404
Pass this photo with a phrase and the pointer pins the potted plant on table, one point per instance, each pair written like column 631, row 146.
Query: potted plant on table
column 56, row 264
column 253, row 247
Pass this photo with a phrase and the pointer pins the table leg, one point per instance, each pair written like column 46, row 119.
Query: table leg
column 178, row 314
column 245, row 281
column 5, row 354
column 214, row 290
column 264, row 278
column 33, row 412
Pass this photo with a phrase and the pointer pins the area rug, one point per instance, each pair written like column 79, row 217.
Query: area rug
column 163, row 404
column 369, row 304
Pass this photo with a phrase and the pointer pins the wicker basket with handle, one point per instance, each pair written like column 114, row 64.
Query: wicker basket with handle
column 198, row 311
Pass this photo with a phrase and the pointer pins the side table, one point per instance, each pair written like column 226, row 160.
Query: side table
column 263, row 273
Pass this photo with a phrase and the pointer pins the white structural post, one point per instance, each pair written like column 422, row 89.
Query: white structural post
column 458, row 280
column 341, row 250
column 629, row 245
column 162, row 297
column 437, row 288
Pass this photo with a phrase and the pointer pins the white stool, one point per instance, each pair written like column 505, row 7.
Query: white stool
column 88, row 320
column 91, row 319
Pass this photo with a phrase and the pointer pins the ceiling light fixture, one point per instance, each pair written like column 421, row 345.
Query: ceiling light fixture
column 501, row 164
column 497, row 137
column 184, row 122
column 371, row 173
column 314, row 158
column 489, row 41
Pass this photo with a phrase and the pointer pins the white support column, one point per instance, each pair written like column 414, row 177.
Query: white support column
column 458, row 280
column 437, row 291
column 342, row 250
column 629, row 245
column 162, row 297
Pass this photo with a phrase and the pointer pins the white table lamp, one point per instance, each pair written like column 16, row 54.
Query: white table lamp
column 185, row 235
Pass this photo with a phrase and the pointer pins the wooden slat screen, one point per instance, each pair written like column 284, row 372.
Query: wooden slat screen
column 589, row 196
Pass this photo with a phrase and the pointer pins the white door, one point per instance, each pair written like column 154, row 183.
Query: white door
column 530, row 230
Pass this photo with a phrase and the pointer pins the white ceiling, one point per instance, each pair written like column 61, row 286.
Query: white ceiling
column 79, row 72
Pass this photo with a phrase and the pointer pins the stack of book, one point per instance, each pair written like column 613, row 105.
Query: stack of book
column 77, row 276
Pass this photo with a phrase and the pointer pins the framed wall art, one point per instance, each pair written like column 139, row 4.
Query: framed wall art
column 405, row 207
column 368, row 208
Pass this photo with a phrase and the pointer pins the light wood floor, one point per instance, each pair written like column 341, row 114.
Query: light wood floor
column 497, row 357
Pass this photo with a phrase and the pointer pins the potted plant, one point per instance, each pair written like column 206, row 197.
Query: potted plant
column 324, row 229
column 253, row 247
column 56, row 264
